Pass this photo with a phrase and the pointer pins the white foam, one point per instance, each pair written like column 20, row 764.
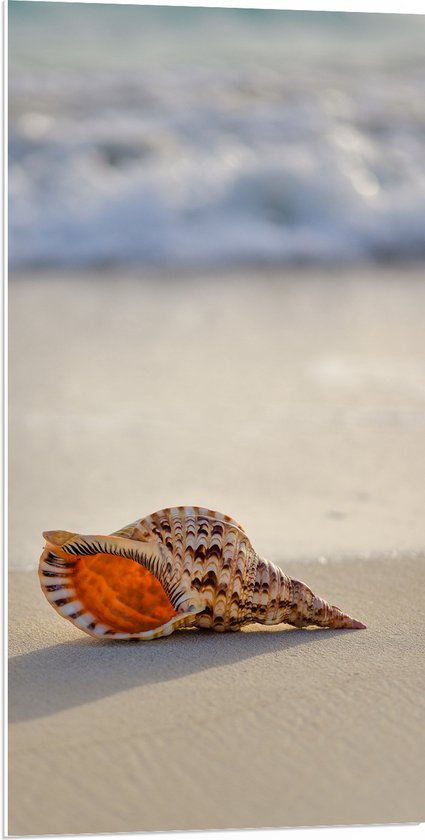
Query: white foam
column 269, row 161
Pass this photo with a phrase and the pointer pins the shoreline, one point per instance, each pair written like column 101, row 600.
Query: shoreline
column 378, row 269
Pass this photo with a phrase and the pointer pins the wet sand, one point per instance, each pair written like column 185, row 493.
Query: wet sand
column 295, row 402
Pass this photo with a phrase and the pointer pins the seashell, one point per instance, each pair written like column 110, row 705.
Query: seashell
column 177, row 568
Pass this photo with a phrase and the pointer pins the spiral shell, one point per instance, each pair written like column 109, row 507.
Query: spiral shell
column 179, row 567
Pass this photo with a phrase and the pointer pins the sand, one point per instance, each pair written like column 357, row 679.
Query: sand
column 296, row 403
column 268, row 727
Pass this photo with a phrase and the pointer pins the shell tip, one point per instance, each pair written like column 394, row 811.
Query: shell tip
column 357, row 625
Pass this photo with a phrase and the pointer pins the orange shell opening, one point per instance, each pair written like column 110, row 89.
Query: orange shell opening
column 121, row 593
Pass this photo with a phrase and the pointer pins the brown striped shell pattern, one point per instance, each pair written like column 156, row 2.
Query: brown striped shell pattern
column 177, row 568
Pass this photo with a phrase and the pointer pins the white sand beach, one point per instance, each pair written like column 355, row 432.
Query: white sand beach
column 294, row 401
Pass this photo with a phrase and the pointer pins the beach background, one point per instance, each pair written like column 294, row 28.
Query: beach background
column 217, row 297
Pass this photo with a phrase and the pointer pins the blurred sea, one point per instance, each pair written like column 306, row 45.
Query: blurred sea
column 179, row 136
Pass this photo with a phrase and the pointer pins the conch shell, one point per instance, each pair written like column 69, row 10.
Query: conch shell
column 177, row 568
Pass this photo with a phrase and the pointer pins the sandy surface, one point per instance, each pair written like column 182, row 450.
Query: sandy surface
column 268, row 727
column 294, row 402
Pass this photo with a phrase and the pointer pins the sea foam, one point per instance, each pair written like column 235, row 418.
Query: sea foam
column 260, row 159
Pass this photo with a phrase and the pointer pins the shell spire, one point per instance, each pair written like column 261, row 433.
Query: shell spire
column 278, row 599
column 179, row 567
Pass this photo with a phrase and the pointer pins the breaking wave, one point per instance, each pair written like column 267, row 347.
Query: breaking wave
column 221, row 162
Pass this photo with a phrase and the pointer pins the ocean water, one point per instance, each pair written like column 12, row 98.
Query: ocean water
column 176, row 136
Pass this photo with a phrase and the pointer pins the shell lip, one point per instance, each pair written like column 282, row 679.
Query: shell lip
column 62, row 581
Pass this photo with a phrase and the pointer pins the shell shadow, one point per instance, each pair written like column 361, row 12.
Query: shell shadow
column 72, row 673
